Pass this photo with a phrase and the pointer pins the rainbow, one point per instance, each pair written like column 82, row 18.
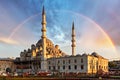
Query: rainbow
column 85, row 17
column 96, row 25
column 20, row 25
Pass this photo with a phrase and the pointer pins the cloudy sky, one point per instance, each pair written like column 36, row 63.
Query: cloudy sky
column 97, row 24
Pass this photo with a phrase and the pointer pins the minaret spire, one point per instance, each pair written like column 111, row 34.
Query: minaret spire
column 43, row 11
column 73, row 40
column 43, row 32
column 73, row 26
column 43, row 17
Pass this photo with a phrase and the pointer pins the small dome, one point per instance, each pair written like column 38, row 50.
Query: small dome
column 25, row 50
column 29, row 50
column 78, row 54
column 95, row 54
column 32, row 46
column 84, row 54
column 21, row 54
column 57, row 46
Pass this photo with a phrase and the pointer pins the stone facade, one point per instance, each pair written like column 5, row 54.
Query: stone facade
column 78, row 64
column 7, row 65
column 96, row 63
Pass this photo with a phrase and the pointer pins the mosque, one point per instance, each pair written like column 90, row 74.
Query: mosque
column 45, row 56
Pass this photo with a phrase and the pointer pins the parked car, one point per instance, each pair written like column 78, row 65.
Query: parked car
column 15, row 74
column 4, row 74
column 42, row 73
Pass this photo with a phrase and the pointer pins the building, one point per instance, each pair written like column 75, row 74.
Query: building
column 80, row 63
column 45, row 56
column 7, row 65
column 114, row 65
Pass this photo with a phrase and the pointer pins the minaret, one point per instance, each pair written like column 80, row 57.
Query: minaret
column 43, row 59
column 44, row 32
column 73, row 40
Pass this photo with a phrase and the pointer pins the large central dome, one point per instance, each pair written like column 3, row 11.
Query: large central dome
column 48, row 42
column 52, row 50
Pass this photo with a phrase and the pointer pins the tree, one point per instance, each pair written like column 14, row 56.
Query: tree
column 112, row 65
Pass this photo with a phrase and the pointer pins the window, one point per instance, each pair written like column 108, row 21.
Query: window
column 75, row 61
column 69, row 61
column 81, row 60
column 58, row 61
column 39, row 65
column 99, row 67
column 63, row 67
column 53, row 67
column 75, row 67
column 48, row 62
column 63, row 61
column 90, row 67
column 58, row 67
column 106, row 67
column 49, row 67
column 69, row 67
column 30, row 67
column 82, row 66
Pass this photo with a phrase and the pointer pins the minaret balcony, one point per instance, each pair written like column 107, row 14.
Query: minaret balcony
column 73, row 35
column 43, row 22
column 43, row 30
column 73, row 45
column 73, row 40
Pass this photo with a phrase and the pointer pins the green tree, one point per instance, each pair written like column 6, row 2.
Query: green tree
column 112, row 65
